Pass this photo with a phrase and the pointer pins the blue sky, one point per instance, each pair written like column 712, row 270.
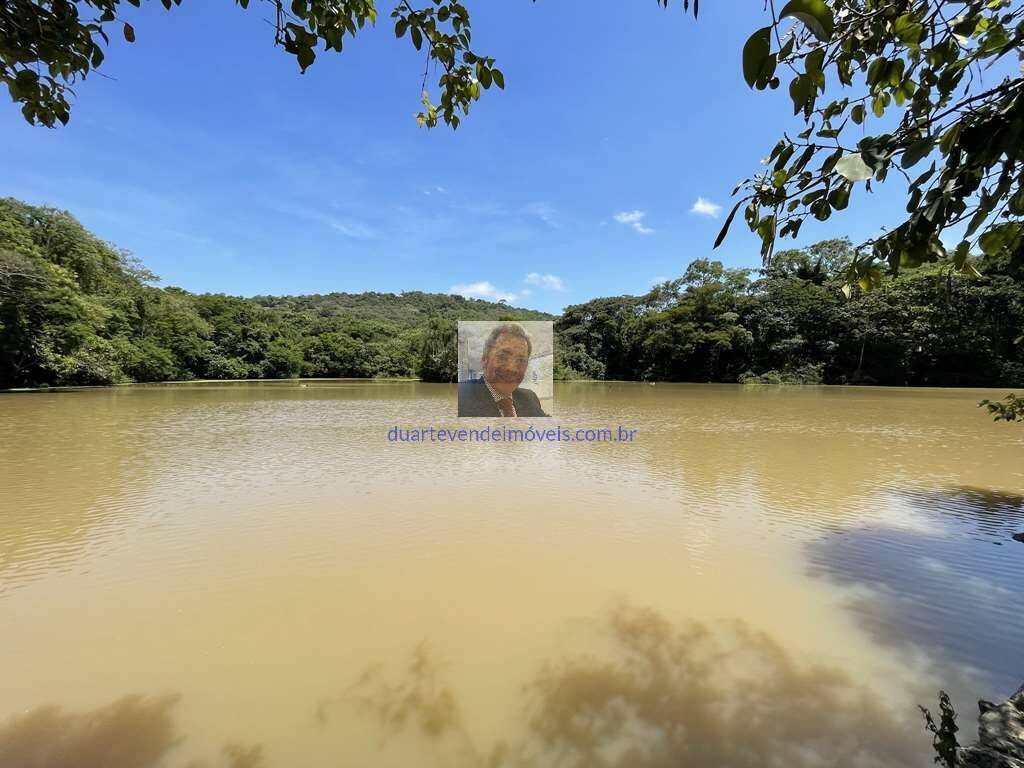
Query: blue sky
column 207, row 154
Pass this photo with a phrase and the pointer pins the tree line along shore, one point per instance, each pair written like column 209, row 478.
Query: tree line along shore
column 77, row 311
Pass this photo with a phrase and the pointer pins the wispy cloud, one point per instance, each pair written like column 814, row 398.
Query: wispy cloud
column 706, row 208
column 482, row 290
column 634, row 219
column 348, row 227
column 345, row 225
column 544, row 212
column 549, row 281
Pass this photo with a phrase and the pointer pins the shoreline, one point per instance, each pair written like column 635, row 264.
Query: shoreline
column 399, row 379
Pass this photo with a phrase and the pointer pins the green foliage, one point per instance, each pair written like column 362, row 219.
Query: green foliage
column 283, row 359
column 796, row 324
column 809, row 373
column 439, row 354
column 146, row 360
column 1010, row 409
column 572, row 361
column 75, row 311
column 46, row 45
column 924, row 61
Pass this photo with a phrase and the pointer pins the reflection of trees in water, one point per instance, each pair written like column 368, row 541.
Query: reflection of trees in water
column 132, row 732
column 55, row 489
column 984, row 512
column 665, row 696
column 955, row 593
column 660, row 696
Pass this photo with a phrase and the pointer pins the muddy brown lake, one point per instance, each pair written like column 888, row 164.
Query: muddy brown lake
column 253, row 574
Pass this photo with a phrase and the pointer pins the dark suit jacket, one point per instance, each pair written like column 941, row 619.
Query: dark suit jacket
column 475, row 400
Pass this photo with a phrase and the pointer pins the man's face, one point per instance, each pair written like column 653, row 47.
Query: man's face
column 506, row 363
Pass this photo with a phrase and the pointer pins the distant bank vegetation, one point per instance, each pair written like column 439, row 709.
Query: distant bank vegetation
column 74, row 310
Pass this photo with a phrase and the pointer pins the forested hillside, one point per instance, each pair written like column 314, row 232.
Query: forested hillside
column 74, row 310
column 795, row 323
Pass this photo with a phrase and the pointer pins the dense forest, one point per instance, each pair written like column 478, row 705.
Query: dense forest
column 74, row 310
column 795, row 323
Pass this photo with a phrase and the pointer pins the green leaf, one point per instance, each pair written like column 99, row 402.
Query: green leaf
column 400, row 27
column 914, row 200
column 417, row 37
column 1002, row 238
column 499, row 78
column 756, row 51
column 876, row 70
column 725, row 227
column 908, row 31
column 26, row 78
column 814, row 14
column 961, row 253
column 1016, row 206
column 800, row 92
column 839, row 197
column 305, row 56
column 857, row 114
column 949, row 138
column 878, row 104
column 988, row 202
column 129, row 33
column 916, row 151
column 991, row 242
column 813, row 63
column 852, row 166
column 810, row 197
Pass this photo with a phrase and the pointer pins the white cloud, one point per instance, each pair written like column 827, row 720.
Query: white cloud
column 706, row 208
column 549, row 281
column 658, row 280
column 348, row 227
column 634, row 219
column 482, row 290
column 544, row 212
column 525, row 292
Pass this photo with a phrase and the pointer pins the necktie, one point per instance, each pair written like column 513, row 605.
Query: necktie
column 506, row 406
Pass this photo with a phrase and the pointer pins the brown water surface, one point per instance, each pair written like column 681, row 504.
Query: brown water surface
column 254, row 575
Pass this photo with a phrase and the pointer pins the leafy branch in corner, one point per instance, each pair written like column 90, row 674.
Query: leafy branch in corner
column 924, row 60
column 46, row 46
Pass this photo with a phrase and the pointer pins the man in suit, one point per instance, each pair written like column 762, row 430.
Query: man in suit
column 505, row 358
